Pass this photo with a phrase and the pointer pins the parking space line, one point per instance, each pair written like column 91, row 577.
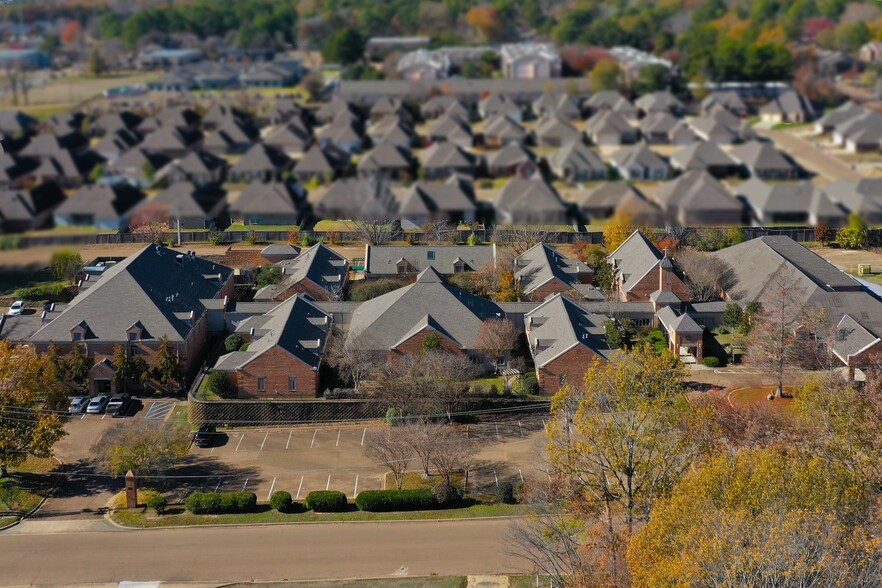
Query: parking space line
column 245, row 484
column 240, row 441
column 362, row 436
column 520, row 428
column 273, row 485
column 103, row 415
column 337, row 444
column 291, row 432
column 216, row 488
column 521, row 474
column 355, row 491
column 328, row 485
column 264, row 440
column 497, row 431
column 495, row 478
column 313, row 439
column 299, row 487
column 84, row 416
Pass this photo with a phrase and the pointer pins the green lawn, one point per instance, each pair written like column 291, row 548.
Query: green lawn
column 332, row 225
column 23, row 490
column 426, row 582
column 179, row 419
column 14, row 278
column 875, row 277
column 240, row 227
column 499, row 382
column 178, row 516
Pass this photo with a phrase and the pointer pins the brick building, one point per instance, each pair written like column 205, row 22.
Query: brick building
column 640, row 270
column 319, row 272
column 542, row 271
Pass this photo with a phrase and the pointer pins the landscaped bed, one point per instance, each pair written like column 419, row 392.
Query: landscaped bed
column 758, row 396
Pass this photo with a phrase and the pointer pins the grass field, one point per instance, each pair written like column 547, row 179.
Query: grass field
column 240, row 227
column 24, row 488
column 13, row 278
column 65, row 92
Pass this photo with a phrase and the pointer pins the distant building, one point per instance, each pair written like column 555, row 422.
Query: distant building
column 377, row 45
column 27, row 58
column 633, row 60
column 870, row 52
column 166, row 58
column 530, row 61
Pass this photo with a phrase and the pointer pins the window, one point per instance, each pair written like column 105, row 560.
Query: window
column 458, row 268
column 430, row 255
column 77, row 336
column 292, row 383
column 261, row 384
column 402, row 269
column 133, row 336
column 562, row 380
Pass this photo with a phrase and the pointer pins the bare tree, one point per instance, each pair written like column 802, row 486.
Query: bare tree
column 352, row 359
column 422, row 437
column 707, row 276
column 391, row 450
column 447, row 377
column 453, row 453
column 416, row 384
column 375, row 232
column 154, row 231
column 399, row 385
column 144, row 450
column 438, row 232
column 519, row 237
column 496, row 338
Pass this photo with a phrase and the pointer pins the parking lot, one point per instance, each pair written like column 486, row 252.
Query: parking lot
column 263, row 460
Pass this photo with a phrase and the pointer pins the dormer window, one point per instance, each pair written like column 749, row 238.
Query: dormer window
column 77, row 336
column 133, row 336
column 134, row 332
column 459, row 267
column 430, row 255
column 402, row 268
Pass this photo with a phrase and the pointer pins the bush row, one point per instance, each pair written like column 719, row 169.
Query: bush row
column 393, row 500
column 326, row 501
column 221, row 503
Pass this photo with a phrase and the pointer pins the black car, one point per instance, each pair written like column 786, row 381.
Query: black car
column 204, row 436
column 119, row 404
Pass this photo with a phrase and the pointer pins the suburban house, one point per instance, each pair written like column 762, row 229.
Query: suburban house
column 273, row 203
column 847, row 111
column 444, row 104
column 199, row 167
column 28, row 210
column 399, row 322
column 56, row 163
column 529, row 201
column 219, row 114
column 501, row 130
column 698, row 199
column 453, row 201
column 564, row 340
column 114, row 144
column 136, row 167
column 722, row 127
column 16, row 172
column 172, row 142
column 423, row 64
column 661, row 128
column 362, row 199
column 870, row 52
column 542, row 271
column 291, row 138
column 138, row 302
column 704, row 156
column 452, row 128
column 388, row 161
column 444, row 159
column 261, row 163
column 319, row 273
column 335, row 108
column 662, row 101
column 863, row 197
column 802, row 203
column 389, row 261
column 574, row 162
column 621, row 199
column 639, row 162
column 111, row 122
column 530, row 61
column 345, row 133
column 641, row 270
column 510, row 160
column 159, row 58
column 16, row 122
column 180, row 117
column 729, row 100
column 101, row 206
column 560, row 104
column 612, row 101
column 552, row 130
column 762, row 160
column 387, row 107
column 191, row 206
column 231, row 137
column 284, row 352
column 685, row 336
column 788, row 107
column 859, row 132
column 322, row 164
column 393, row 129
column 608, row 128
column 495, row 104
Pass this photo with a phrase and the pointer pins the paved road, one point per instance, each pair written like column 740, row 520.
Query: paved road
column 810, row 157
column 239, row 554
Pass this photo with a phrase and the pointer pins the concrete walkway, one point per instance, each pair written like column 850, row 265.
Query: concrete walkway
column 56, row 527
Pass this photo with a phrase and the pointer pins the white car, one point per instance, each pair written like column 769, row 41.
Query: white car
column 78, row 405
column 17, row 307
column 97, row 404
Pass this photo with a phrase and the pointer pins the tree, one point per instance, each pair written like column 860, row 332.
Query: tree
column 344, row 46
column 613, row 335
column 496, row 338
column 707, row 276
column 71, row 32
column 314, row 83
column 109, row 25
column 352, row 359
column 127, row 370
column 268, row 275
column 97, row 173
column 77, row 367
column 823, row 234
column 96, row 67
column 854, row 236
column 507, row 289
column 32, row 399
column 766, row 62
column 66, row 264
column 606, row 75
column 446, row 379
column 761, row 518
column 50, row 44
column 149, row 172
column 519, row 238
column 732, row 316
column 375, row 232
column 617, row 230
column 390, row 450
column 453, row 453
column 438, row 232
column 145, row 450
column 652, row 78
column 168, row 371
column 777, row 346
column 422, row 439
column 487, row 20
column 431, row 342
column 153, row 229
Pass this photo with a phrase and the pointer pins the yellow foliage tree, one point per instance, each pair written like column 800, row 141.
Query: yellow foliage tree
column 606, row 75
column 487, row 20
column 617, row 230
column 763, row 518
column 771, row 35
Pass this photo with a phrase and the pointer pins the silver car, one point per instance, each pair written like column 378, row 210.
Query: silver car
column 97, row 404
column 78, row 405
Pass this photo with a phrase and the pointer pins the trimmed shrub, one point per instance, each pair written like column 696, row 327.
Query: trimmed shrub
column 221, row 503
column 371, row 289
column 281, row 501
column 473, row 240
column 326, row 501
column 529, row 383
column 233, row 343
column 217, row 383
column 505, row 493
column 395, row 500
column 158, row 503
column 446, row 495
column 711, row 362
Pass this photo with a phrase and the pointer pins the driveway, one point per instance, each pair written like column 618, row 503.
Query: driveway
column 811, row 158
column 269, row 553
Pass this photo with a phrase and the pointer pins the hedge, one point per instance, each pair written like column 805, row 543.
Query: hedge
column 221, row 503
column 393, row 500
column 326, row 501
column 711, row 361
column 158, row 503
column 281, row 501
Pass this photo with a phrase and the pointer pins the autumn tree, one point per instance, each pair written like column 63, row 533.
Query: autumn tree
column 77, row 367
column 777, row 345
column 496, row 338
column 66, row 264
column 96, row 67
column 168, row 371
column 32, row 399
column 617, row 230
column 145, row 450
column 128, row 370
column 764, row 517
column 519, row 238
column 71, row 32
column 486, row 20
column 507, row 289
column 389, row 449
column 606, row 75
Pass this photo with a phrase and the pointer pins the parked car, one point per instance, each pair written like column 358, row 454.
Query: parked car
column 204, row 437
column 17, row 307
column 119, row 404
column 78, row 405
column 97, row 404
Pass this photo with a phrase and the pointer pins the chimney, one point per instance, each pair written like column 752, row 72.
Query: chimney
column 251, row 332
column 192, row 318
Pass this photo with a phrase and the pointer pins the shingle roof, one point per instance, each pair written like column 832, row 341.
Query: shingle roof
column 320, row 159
column 261, row 158
column 449, row 126
column 170, row 139
column 25, row 205
column 611, row 100
column 290, row 135
column 640, row 155
column 384, row 321
column 157, row 287
column 200, row 162
column 579, row 157
column 701, row 156
column 533, row 194
column 427, row 198
column 677, row 323
column 662, row 101
column 386, row 156
column 607, row 195
column 561, row 104
column 790, row 103
column 697, row 192
column 186, row 199
column 135, row 158
column 553, row 126
column 758, row 155
column 863, row 196
column 727, row 99
column 539, row 264
column 559, row 325
column 445, row 155
column 270, row 198
column 319, row 264
column 102, row 201
column 511, row 154
column 788, row 198
column 502, row 127
column 634, row 258
column 383, row 259
column 607, row 121
column 358, row 200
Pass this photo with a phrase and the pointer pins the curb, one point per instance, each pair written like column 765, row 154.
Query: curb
column 39, row 504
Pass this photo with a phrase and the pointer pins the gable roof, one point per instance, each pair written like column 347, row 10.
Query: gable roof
column 169, row 138
column 697, row 191
column 359, row 199
column 611, row 100
column 511, row 154
column 26, row 205
column 634, row 258
column 541, row 263
column 157, row 287
column 102, row 201
column 662, row 101
column 451, row 196
column 607, row 122
column 383, row 259
column 187, row 199
column 383, row 322
column 701, row 155
column 449, row 126
column 675, row 322
column 136, row 158
column 553, row 126
column 319, row 264
column 269, row 198
column 863, row 196
column 559, row 325
column 638, row 155
column 789, row 103
column 261, row 158
column 607, row 195
column 578, row 157
column 788, row 198
column 559, row 103
column 758, row 155
column 386, row 156
column 500, row 126
column 533, row 194
column 445, row 155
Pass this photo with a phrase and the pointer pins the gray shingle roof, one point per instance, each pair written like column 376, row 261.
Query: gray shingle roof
column 383, row 259
column 677, row 323
column 790, row 103
column 157, row 287
column 449, row 127
column 607, row 122
column 695, row 193
column 701, row 156
column 863, row 196
column 553, row 126
column 638, row 154
column 102, row 201
column 446, row 155
column 607, row 195
column 558, row 103
column 521, row 195
column 358, row 200
column 502, row 127
column 269, row 198
column 613, row 101
column 761, row 156
column 384, row 321
column 320, row 159
column 386, row 157
column 190, row 201
column 577, row 157
column 789, row 198
column 559, row 325
column 662, row 101
column 424, row 199
column 319, row 264
column 511, row 154
column 852, row 338
column 539, row 264
column 25, row 205
column 261, row 158
column 634, row 258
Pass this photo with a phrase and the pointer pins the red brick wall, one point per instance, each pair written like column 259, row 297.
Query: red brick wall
column 305, row 287
column 573, row 364
column 553, row 286
column 275, row 365
column 650, row 283
column 415, row 344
